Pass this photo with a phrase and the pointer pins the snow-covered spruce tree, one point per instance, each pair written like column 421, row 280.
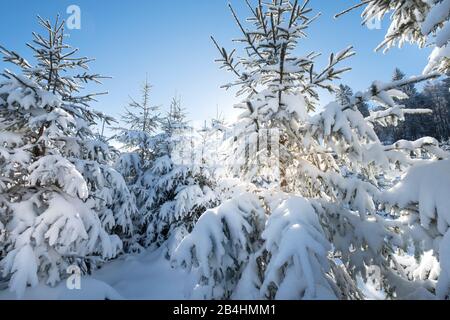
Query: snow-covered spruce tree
column 334, row 159
column 414, row 21
column 280, row 90
column 142, row 121
column 288, row 86
column 172, row 191
column 61, row 202
column 341, row 169
column 209, row 148
column 420, row 197
column 366, row 168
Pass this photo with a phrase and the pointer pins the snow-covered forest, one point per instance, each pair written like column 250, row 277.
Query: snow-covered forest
column 296, row 199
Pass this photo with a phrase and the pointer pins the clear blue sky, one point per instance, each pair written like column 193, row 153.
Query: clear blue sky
column 169, row 41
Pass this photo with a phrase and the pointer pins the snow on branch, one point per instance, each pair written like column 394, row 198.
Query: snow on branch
column 52, row 170
column 386, row 94
column 221, row 241
column 426, row 23
column 392, row 115
column 298, row 251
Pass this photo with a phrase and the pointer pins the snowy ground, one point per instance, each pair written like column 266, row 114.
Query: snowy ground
column 144, row 277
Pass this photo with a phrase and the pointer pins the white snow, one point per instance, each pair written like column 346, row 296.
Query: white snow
column 444, row 278
column 220, row 237
column 427, row 185
column 436, row 58
column 55, row 169
column 147, row 276
column 296, row 242
column 438, row 13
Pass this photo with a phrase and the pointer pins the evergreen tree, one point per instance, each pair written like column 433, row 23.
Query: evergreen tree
column 142, row 121
column 334, row 164
column 180, row 190
column 290, row 86
column 176, row 126
column 61, row 201
column 208, row 150
column 171, row 190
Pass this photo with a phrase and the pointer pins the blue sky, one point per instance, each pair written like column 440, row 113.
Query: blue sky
column 169, row 41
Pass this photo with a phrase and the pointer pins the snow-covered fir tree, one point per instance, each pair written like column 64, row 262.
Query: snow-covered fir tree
column 62, row 203
column 418, row 199
column 324, row 225
column 210, row 148
column 280, row 89
column 181, row 190
column 171, row 189
column 141, row 123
